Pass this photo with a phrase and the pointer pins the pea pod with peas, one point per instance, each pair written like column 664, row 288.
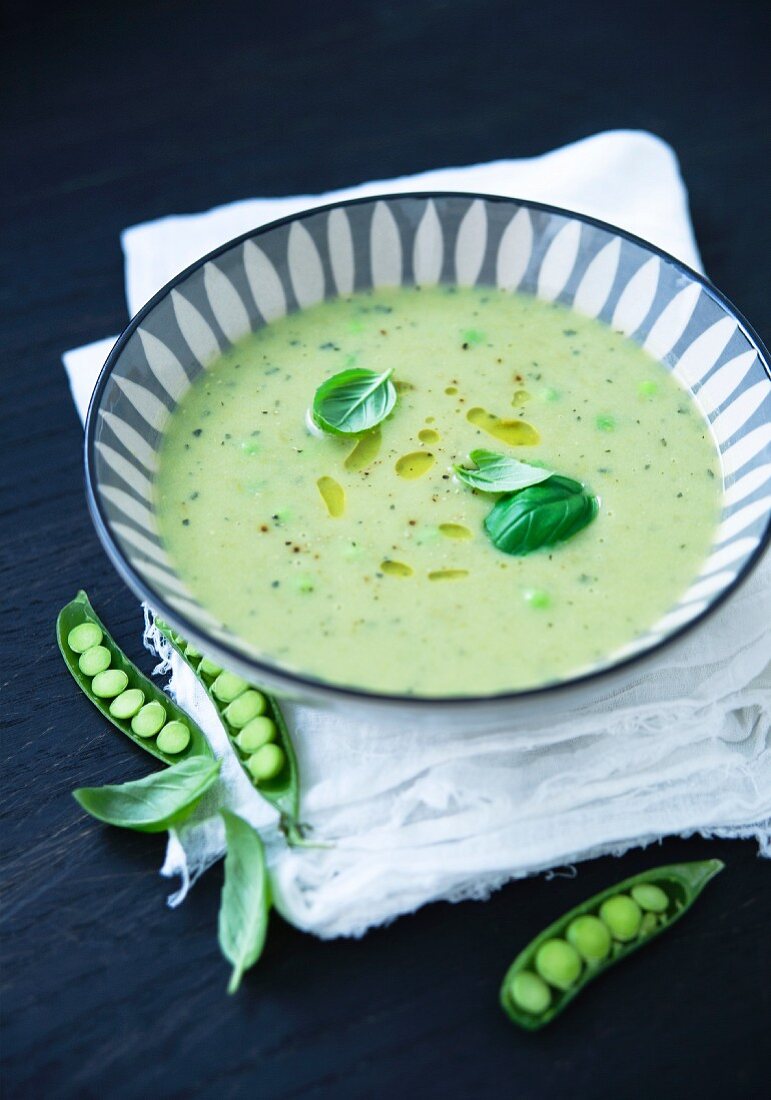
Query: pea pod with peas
column 256, row 729
column 127, row 698
column 546, row 976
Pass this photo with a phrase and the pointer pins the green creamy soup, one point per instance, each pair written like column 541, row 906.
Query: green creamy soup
column 364, row 562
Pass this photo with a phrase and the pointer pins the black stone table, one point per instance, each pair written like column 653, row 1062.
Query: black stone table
column 115, row 113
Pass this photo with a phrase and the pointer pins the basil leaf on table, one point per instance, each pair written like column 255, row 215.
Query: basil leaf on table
column 155, row 803
column 541, row 515
column 353, row 401
column 496, row 473
column 245, row 904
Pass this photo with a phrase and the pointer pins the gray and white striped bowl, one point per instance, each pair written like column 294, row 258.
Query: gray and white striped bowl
column 674, row 313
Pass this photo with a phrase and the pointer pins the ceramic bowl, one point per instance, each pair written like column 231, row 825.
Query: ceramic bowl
column 671, row 311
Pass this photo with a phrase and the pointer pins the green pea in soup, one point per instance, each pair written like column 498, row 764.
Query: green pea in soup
column 365, row 560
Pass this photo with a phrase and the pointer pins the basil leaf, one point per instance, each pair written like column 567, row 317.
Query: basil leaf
column 155, row 803
column 500, row 474
column 353, row 401
column 243, row 917
column 541, row 515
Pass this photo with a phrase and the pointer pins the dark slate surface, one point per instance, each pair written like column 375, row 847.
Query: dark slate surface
column 115, row 113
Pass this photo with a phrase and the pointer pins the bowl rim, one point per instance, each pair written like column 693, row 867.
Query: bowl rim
column 313, row 685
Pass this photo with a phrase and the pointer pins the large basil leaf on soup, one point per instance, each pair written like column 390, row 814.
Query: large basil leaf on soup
column 497, row 473
column 541, row 515
column 353, row 401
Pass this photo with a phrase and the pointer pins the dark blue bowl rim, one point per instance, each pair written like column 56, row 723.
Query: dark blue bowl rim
column 340, row 691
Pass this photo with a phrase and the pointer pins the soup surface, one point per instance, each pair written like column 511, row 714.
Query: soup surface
column 365, row 563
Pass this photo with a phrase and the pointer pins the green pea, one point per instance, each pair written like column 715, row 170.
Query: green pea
column 651, row 897
column 530, row 993
column 94, row 660
column 622, row 916
column 558, row 963
column 149, row 719
column 606, row 423
column 648, row 388
column 83, row 637
column 228, row 687
column 243, row 709
column 209, row 669
column 255, row 734
column 266, row 763
column 127, row 704
column 173, row 738
column 648, row 924
column 590, row 937
column 108, row 684
column 537, row 597
column 473, row 336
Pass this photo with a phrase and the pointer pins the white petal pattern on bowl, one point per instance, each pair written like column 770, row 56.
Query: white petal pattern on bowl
column 597, row 282
column 700, row 356
column 126, row 471
column 161, row 576
column 745, row 449
column 264, row 283
column 385, row 248
column 149, row 407
column 135, row 444
column 735, row 416
column 384, row 242
column 197, row 333
column 725, row 381
column 428, row 251
column 634, row 304
column 140, row 542
column 559, row 261
column 305, row 269
column 340, row 245
column 165, row 366
column 682, row 614
column 131, row 508
column 672, row 322
column 725, row 555
column 471, row 244
column 747, row 485
column 197, row 614
column 226, row 304
column 710, row 586
column 514, row 251
column 741, row 520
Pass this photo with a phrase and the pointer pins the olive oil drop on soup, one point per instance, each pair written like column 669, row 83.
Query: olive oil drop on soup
column 364, row 561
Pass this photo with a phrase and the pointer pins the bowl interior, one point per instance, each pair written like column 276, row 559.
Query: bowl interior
column 423, row 239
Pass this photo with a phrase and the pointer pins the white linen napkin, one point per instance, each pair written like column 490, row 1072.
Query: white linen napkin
column 411, row 818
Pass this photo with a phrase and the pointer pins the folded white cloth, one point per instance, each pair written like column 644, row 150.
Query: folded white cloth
column 412, row 818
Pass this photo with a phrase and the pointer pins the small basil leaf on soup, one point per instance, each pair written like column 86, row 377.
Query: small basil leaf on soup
column 353, row 401
column 496, row 473
column 540, row 515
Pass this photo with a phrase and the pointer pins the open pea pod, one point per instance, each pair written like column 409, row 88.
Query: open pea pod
column 229, row 694
column 555, row 966
column 91, row 637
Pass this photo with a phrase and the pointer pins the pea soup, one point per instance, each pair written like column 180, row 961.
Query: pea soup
column 364, row 561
